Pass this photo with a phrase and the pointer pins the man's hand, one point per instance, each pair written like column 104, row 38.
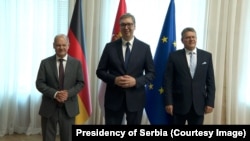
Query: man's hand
column 62, row 96
column 169, row 109
column 208, row 109
column 125, row 81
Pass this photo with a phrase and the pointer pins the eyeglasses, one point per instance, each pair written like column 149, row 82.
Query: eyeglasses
column 126, row 24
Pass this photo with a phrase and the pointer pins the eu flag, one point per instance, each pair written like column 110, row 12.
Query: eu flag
column 155, row 107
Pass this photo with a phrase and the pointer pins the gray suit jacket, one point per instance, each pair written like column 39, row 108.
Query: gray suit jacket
column 47, row 83
column 140, row 66
column 181, row 90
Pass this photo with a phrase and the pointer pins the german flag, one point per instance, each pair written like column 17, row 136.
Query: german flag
column 77, row 50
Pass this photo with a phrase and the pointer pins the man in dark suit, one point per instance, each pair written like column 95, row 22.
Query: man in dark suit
column 125, row 91
column 59, row 102
column 189, row 96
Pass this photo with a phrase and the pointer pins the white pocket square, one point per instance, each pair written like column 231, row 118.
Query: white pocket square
column 204, row 63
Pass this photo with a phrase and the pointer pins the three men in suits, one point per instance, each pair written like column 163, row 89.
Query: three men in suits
column 125, row 91
column 189, row 97
column 59, row 103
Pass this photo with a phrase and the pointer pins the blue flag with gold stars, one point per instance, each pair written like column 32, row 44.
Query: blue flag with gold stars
column 155, row 106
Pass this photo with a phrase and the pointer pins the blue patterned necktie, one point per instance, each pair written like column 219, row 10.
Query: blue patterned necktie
column 127, row 54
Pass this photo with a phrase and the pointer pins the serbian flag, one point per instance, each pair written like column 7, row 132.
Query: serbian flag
column 77, row 50
column 122, row 9
column 155, row 106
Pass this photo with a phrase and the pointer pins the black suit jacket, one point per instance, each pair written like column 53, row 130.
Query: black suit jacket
column 181, row 90
column 48, row 83
column 140, row 66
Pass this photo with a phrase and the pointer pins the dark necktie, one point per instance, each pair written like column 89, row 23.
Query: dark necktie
column 61, row 74
column 127, row 54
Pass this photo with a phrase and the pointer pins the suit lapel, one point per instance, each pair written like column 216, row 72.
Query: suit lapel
column 68, row 68
column 185, row 60
column 134, row 51
column 54, row 68
column 118, row 48
column 199, row 61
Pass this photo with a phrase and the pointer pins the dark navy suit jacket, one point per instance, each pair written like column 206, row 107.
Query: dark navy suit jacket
column 181, row 90
column 140, row 66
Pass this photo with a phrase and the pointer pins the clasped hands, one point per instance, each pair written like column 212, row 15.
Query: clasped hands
column 62, row 96
column 125, row 81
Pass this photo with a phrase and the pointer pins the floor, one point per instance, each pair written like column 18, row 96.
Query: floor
column 23, row 137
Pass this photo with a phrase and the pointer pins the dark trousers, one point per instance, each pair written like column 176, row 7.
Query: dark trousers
column 191, row 118
column 116, row 117
column 49, row 126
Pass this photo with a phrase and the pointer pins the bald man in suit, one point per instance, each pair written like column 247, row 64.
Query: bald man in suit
column 59, row 103
column 125, row 91
column 190, row 93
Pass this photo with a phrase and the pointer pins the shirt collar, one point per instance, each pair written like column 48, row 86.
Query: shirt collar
column 64, row 58
column 131, row 42
column 188, row 51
